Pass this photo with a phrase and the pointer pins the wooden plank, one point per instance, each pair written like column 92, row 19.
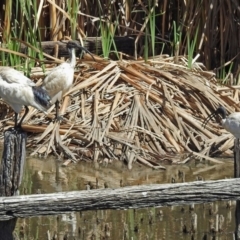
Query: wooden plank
column 154, row 195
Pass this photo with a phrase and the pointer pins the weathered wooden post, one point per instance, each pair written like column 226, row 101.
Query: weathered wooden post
column 237, row 175
column 11, row 172
column 236, row 159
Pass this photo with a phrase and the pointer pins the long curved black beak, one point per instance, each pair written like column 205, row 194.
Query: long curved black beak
column 85, row 50
column 208, row 119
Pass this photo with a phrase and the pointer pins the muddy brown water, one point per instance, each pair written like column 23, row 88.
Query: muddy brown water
column 47, row 176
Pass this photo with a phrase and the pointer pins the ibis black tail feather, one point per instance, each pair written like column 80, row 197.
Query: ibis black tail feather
column 41, row 96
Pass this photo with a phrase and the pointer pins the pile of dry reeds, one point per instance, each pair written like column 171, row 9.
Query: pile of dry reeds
column 134, row 111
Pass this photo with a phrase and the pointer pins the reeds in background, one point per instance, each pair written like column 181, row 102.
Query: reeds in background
column 208, row 28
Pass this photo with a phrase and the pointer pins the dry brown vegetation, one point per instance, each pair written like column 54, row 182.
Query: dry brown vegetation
column 135, row 111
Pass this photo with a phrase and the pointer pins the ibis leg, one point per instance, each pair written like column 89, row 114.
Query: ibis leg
column 58, row 117
column 15, row 119
column 24, row 115
column 57, row 109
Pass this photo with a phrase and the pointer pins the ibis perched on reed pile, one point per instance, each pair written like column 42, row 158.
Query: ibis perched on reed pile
column 17, row 90
column 60, row 79
column 231, row 123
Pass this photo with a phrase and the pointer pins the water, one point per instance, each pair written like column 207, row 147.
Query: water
column 47, row 176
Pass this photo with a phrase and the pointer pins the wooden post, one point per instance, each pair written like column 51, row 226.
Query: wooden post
column 236, row 158
column 237, row 175
column 11, row 172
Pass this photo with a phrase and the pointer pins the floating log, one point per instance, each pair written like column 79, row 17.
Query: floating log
column 11, row 172
column 92, row 44
column 155, row 195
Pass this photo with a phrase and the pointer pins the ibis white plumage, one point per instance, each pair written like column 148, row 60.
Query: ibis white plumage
column 60, row 79
column 231, row 123
column 17, row 91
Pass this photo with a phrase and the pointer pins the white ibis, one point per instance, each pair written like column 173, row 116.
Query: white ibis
column 17, row 90
column 60, row 79
column 231, row 123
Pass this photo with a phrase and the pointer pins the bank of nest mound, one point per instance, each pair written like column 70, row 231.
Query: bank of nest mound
column 148, row 112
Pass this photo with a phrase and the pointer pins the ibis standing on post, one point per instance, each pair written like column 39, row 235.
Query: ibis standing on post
column 60, row 79
column 17, row 90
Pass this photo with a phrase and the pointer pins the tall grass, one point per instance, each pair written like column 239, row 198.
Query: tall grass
column 225, row 73
column 73, row 8
column 177, row 38
column 150, row 31
column 20, row 32
column 152, row 24
column 107, row 34
column 191, row 46
column 108, row 29
column 217, row 26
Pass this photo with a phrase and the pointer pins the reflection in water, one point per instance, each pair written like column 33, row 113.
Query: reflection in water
column 176, row 222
